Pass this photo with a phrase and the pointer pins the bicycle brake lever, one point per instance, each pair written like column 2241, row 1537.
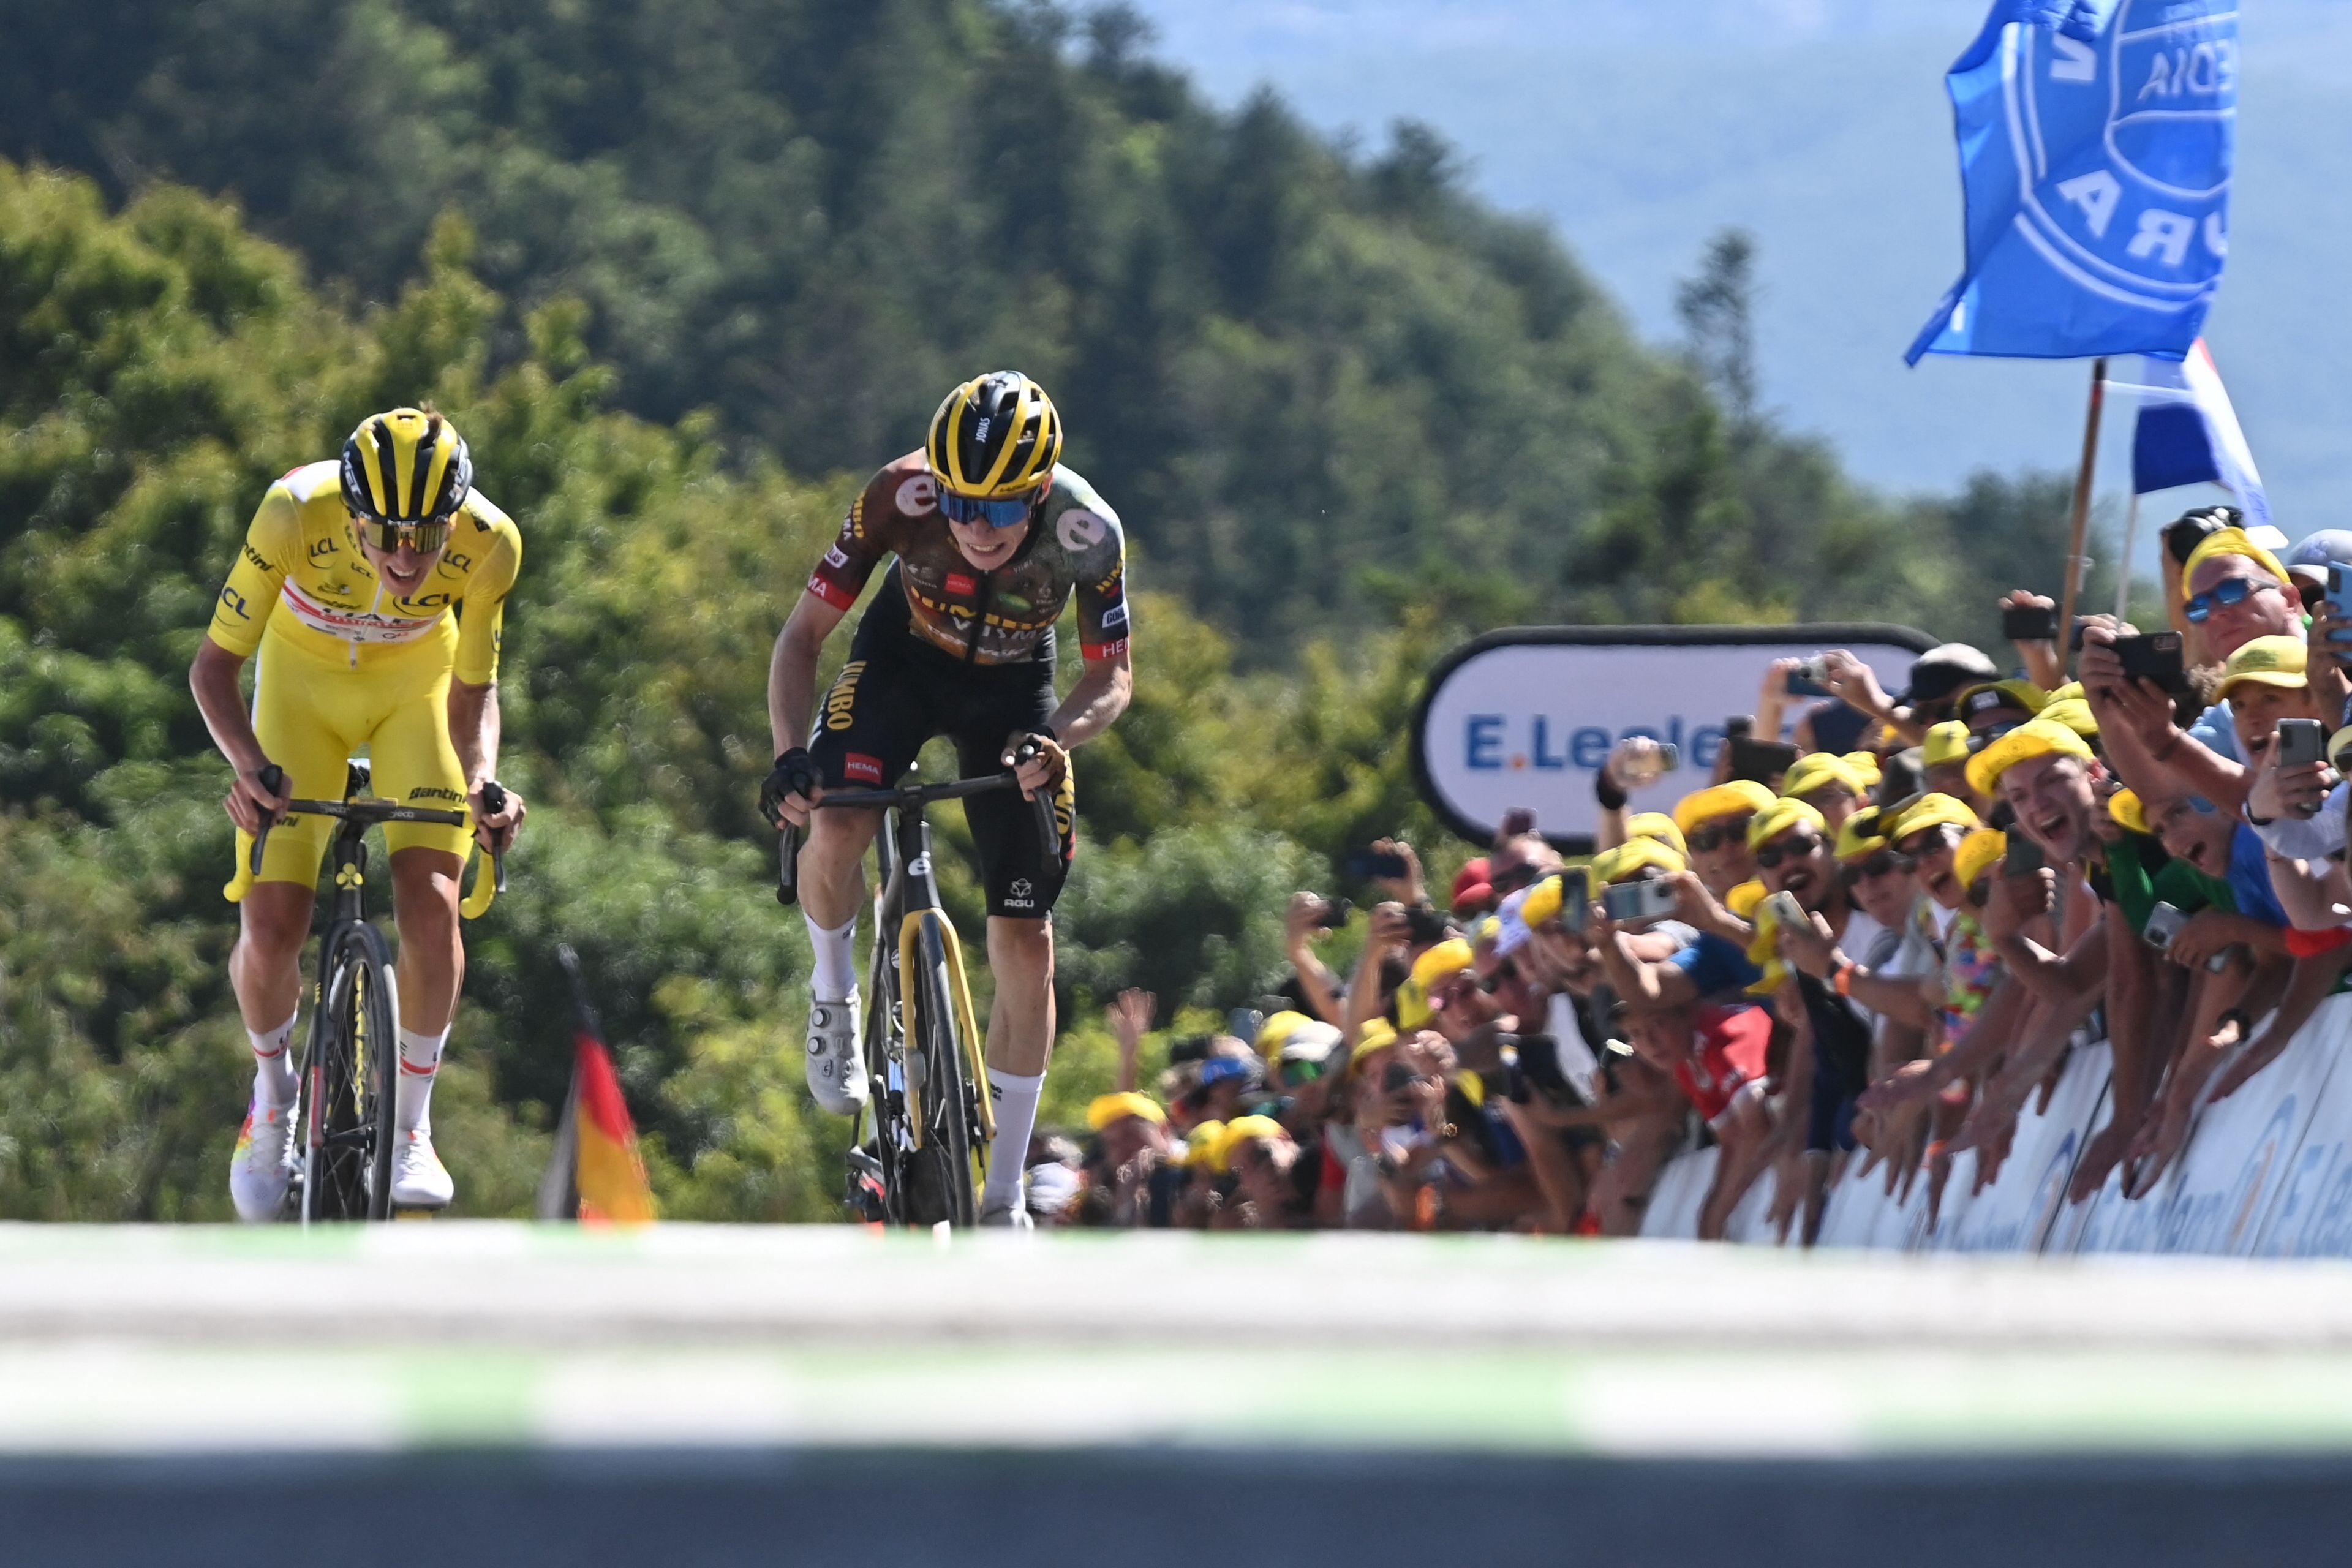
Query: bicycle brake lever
column 494, row 800
column 788, row 865
column 273, row 778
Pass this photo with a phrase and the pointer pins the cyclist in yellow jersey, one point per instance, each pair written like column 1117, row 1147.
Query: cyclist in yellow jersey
column 373, row 590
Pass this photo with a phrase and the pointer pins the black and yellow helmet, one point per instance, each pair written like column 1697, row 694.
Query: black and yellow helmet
column 409, row 465
column 995, row 436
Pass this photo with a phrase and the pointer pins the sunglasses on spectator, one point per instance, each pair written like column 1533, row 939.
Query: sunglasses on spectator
column 1513, row 879
column 1708, row 839
column 2228, row 592
column 1928, row 840
column 1506, row 973
column 1008, row 513
column 1978, row 742
column 1881, row 863
column 424, row 538
column 1791, row 848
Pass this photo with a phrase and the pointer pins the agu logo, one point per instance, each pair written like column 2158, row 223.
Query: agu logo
column 2126, row 145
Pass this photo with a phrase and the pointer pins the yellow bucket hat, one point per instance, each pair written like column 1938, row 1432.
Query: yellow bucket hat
column 1739, row 797
column 2041, row 738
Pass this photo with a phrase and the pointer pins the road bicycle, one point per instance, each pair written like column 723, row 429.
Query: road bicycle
column 921, row 1146
column 351, row 1057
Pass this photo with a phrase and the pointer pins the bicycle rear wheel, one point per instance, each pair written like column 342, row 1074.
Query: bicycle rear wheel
column 346, row 1082
column 941, row 1178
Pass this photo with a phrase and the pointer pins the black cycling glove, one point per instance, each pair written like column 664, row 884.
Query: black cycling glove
column 795, row 773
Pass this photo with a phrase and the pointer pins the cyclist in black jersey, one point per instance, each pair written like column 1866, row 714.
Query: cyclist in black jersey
column 992, row 538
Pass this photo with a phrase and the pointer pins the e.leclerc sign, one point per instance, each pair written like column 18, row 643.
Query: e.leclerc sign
column 1523, row 717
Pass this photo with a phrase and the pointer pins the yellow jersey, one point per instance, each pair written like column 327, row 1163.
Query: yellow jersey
column 301, row 576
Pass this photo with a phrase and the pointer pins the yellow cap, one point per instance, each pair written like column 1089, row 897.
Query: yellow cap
column 2021, row 695
column 1818, row 770
column 1742, row 900
column 1473, row 1087
column 1782, row 815
column 2272, row 661
column 1201, row 1147
column 1238, row 1131
column 1980, row 852
column 2073, row 712
column 1740, row 797
column 1946, row 742
column 1448, row 957
column 1278, row 1029
column 2228, row 541
column 1657, row 825
column 2126, row 808
column 1931, row 811
column 1860, row 837
column 1616, row 865
column 1865, row 767
column 2041, row 738
column 1106, row 1109
column 1542, row 902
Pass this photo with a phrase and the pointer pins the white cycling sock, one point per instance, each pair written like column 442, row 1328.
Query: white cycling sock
column 835, row 974
column 1016, row 1098
column 273, row 1062
column 411, row 1098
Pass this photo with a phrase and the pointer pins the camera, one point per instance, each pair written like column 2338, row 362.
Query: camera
column 1627, row 902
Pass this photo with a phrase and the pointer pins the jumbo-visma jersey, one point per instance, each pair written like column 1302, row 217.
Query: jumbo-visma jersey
column 302, row 578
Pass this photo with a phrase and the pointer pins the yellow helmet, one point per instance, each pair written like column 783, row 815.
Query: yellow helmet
column 409, row 465
column 995, row 436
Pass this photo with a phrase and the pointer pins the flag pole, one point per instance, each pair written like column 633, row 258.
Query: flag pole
column 2124, row 570
column 2074, row 558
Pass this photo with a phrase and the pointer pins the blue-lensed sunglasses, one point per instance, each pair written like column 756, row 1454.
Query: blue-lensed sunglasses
column 1009, row 513
column 2222, row 595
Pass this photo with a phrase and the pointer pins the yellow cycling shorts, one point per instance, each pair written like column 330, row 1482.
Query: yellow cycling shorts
column 311, row 714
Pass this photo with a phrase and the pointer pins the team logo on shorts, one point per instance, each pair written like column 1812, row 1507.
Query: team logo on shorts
column 858, row 765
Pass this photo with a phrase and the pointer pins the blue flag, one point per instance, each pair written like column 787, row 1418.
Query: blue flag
column 2096, row 138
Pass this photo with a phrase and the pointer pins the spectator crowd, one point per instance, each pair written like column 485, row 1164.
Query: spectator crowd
column 1874, row 946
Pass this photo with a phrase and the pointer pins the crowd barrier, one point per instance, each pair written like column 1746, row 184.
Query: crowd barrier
column 2267, row 1173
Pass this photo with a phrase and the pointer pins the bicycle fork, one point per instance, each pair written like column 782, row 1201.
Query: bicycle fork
column 919, row 898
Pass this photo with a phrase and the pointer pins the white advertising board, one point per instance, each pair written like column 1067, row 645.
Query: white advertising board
column 2015, row 1213
column 1526, row 717
column 2311, row 1214
column 1678, row 1194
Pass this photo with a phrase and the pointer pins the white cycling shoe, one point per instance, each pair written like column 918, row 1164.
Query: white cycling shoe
column 419, row 1180
column 837, row 1073
column 260, row 1170
column 1011, row 1214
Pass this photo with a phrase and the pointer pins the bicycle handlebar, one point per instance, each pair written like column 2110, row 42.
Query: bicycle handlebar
column 788, row 841
column 366, row 809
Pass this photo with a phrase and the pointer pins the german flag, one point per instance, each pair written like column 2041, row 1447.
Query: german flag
column 595, row 1174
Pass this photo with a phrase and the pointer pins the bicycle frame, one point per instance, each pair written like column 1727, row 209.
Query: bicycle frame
column 909, row 898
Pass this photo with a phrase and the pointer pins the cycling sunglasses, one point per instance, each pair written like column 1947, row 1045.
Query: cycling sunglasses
column 1980, row 741
column 1008, row 513
column 1706, row 840
column 424, row 538
column 1796, row 848
column 2228, row 591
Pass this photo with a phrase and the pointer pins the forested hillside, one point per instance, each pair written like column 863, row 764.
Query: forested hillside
column 682, row 273
column 1304, row 374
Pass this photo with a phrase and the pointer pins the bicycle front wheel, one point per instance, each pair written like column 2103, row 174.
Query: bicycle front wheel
column 942, row 1177
column 347, row 1082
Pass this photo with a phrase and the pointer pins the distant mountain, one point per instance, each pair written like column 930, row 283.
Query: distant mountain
column 1640, row 128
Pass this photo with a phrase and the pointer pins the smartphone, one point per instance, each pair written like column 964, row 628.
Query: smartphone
column 2339, row 597
column 1739, row 727
column 1628, row 903
column 2074, row 637
column 2029, row 623
column 1670, row 756
column 1810, row 678
column 1424, row 926
column 1334, row 913
column 2156, row 657
column 1784, row 909
column 2164, row 923
column 2023, row 858
column 1761, row 762
column 1372, row 865
column 1575, row 898
column 2301, row 742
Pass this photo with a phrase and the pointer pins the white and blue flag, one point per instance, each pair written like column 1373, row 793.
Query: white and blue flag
column 2188, row 434
column 2095, row 139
